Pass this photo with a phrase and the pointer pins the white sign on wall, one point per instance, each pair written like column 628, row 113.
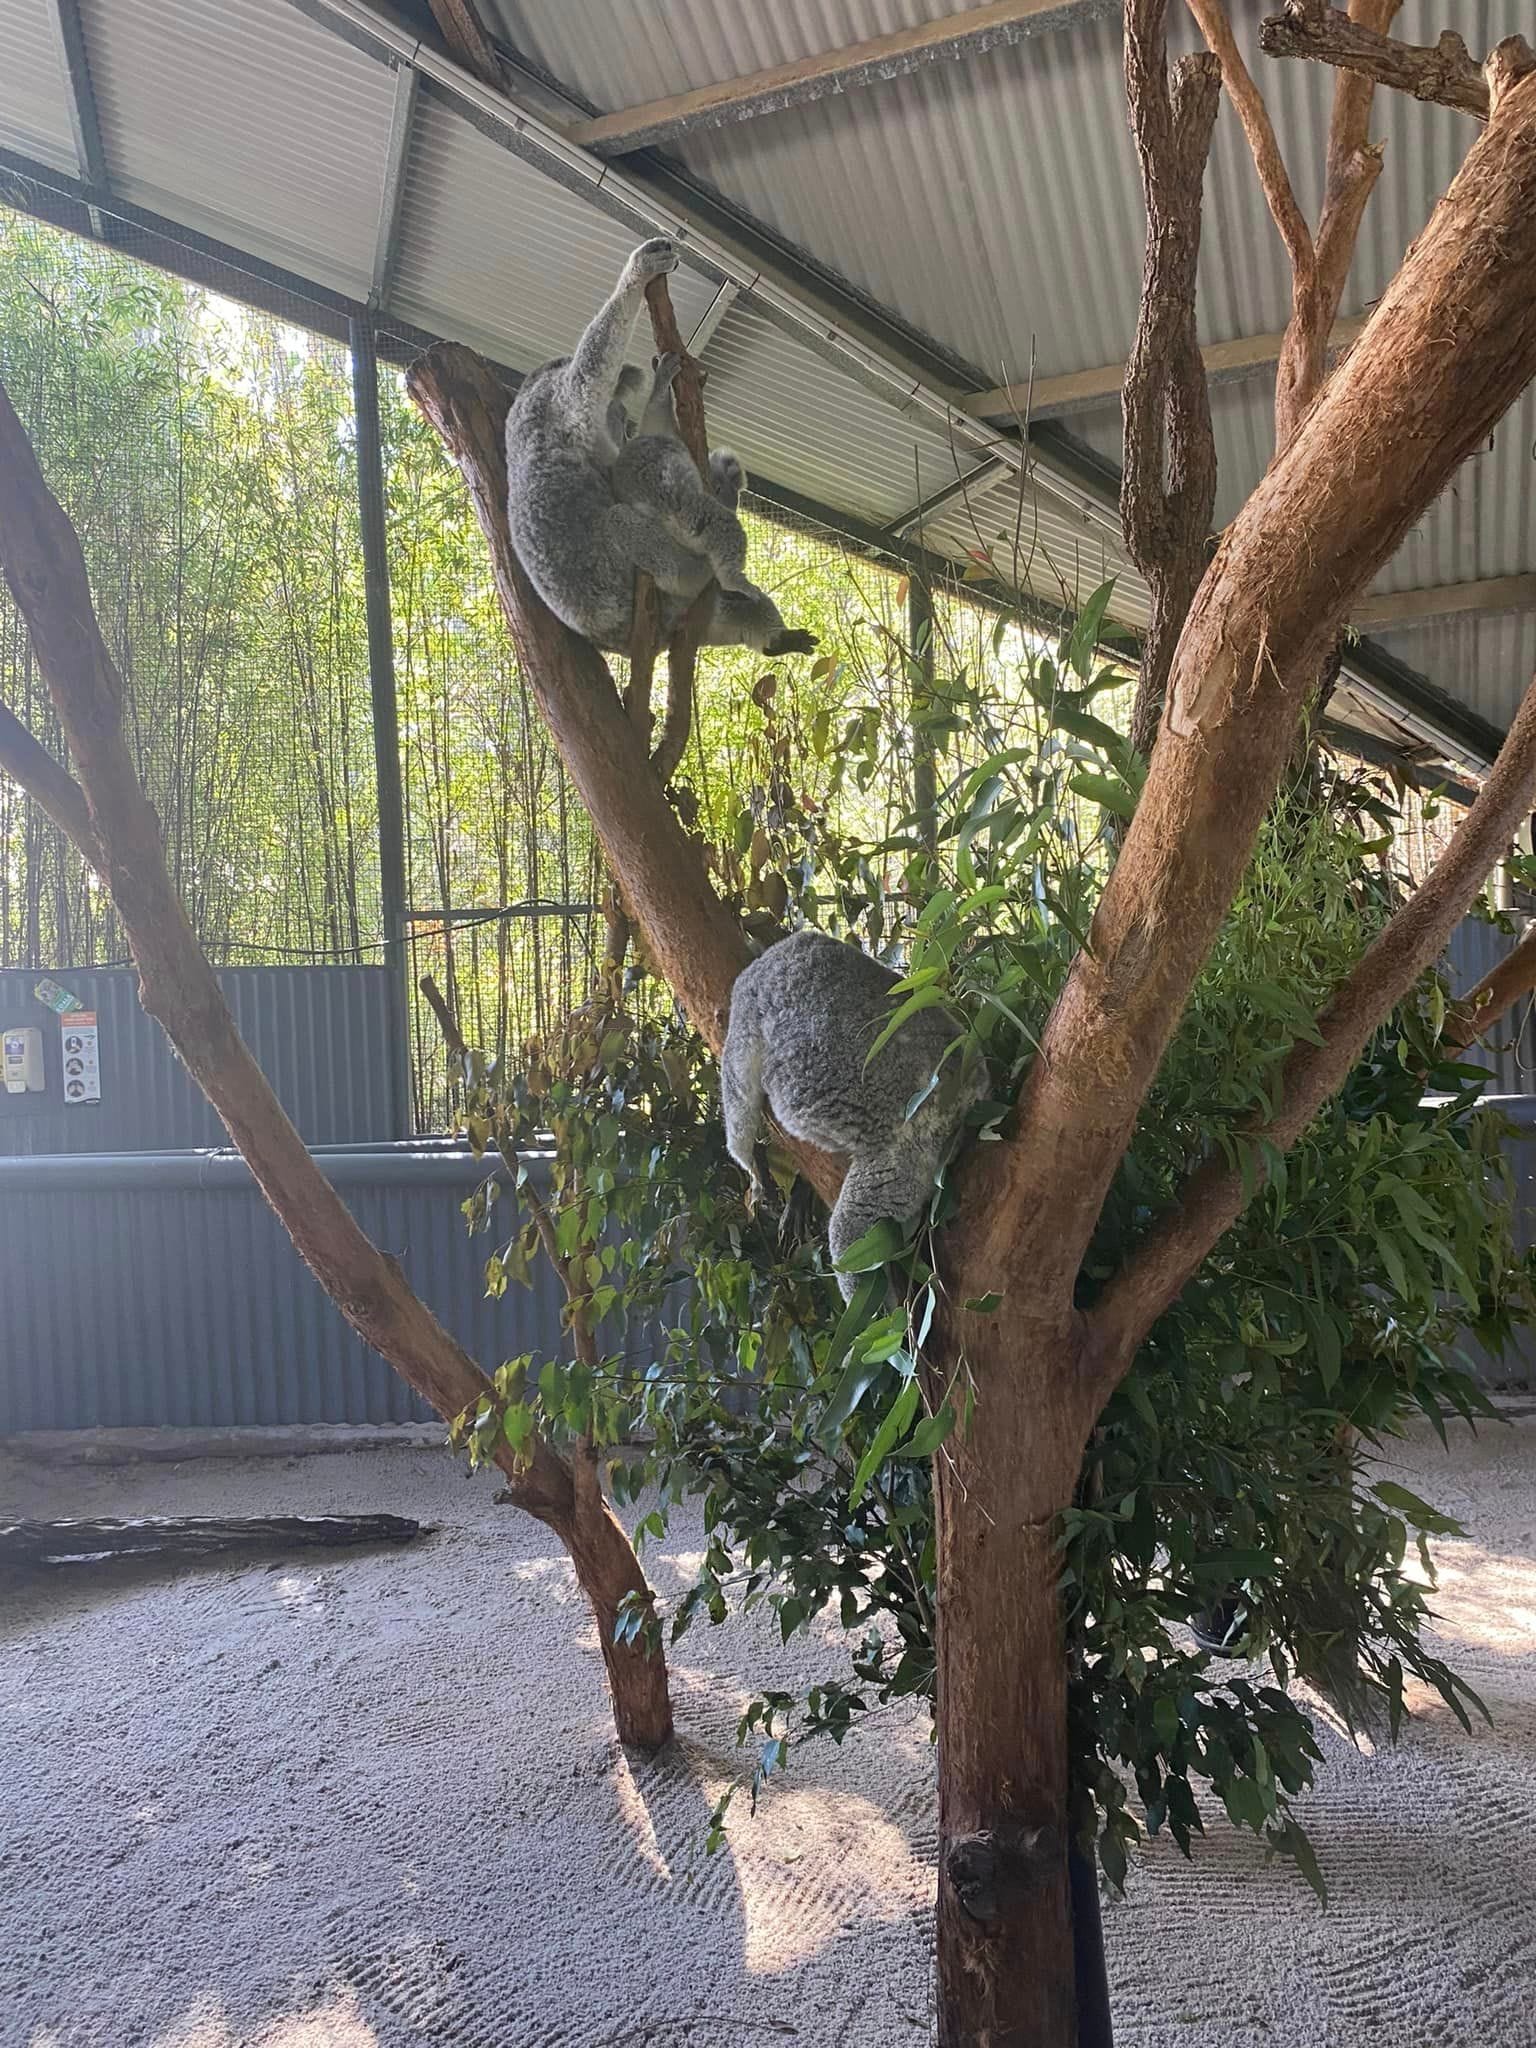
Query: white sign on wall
column 82, row 1056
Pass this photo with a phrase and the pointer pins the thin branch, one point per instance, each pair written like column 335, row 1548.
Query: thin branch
column 1445, row 74
column 1211, row 16
column 48, row 782
column 1168, row 488
column 1157, row 1271
column 688, row 634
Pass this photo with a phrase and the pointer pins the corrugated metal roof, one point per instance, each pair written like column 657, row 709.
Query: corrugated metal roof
column 991, row 204
column 248, row 122
column 34, row 93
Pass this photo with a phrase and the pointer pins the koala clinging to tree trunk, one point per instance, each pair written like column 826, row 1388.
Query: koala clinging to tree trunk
column 656, row 472
column 804, row 1015
column 581, row 547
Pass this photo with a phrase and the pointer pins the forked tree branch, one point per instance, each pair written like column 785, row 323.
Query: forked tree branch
column 1412, row 940
column 1445, row 74
column 1168, row 485
column 1386, row 434
column 1216, row 27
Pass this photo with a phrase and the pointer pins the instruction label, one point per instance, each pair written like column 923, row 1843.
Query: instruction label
column 82, row 1056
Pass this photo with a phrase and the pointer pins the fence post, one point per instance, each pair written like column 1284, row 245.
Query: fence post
column 386, row 714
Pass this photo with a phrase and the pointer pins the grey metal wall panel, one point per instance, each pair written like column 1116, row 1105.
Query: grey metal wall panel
column 319, row 1034
column 160, row 1290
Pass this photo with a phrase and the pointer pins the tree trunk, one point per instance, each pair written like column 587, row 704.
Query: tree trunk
column 43, row 564
column 1005, row 1948
column 609, row 1573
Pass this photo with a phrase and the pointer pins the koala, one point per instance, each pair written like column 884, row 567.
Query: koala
column 655, row 471
column 803, row 1017
column 581, row 546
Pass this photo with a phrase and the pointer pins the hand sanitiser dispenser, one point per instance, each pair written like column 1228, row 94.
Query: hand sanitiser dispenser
column 23, row 1059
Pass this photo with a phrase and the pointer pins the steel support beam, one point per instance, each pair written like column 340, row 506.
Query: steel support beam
column 1401, row 610
column 386, row 247
column 981, row 478
column 1056, row 398
column 386, row 712
column 84, row 118
column 925, row 783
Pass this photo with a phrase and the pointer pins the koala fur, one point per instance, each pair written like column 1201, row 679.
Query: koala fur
column 803, row 1017
column 656, row 472
column 581, row 547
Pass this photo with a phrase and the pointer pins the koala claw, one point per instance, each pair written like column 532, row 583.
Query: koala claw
column 790, row 641
column 653, row 259
column 667, row 367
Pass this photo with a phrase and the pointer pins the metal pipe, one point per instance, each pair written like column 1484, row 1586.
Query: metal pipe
column 386, row 711
column 385, row 1166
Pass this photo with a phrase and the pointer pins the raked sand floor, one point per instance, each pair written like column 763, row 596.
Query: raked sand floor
column 373, row 1800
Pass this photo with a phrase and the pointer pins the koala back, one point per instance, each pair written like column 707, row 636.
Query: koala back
column 557, row 493
column 815, row 1005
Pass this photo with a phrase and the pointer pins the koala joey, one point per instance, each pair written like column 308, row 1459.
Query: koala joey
column 655, row 471
column 581, row 545
column 804, row 1015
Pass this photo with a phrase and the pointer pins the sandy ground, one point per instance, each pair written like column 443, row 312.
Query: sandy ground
column 374, row 1801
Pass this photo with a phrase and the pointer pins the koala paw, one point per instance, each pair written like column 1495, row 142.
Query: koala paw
column 652, row 259
column 790, row 641
column 665, row 368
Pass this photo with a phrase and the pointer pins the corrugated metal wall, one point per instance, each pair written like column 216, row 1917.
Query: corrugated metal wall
column 321, row 1035
column 160, row 1289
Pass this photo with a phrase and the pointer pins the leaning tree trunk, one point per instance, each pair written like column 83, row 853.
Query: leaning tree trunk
column 114, row 825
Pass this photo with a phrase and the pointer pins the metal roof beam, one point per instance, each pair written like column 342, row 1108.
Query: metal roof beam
column 1048, row 398
column 711, row 317
column 772, row 91
column 981, row 478
column 84, row 119
column 1395, row 611
column 386, row 247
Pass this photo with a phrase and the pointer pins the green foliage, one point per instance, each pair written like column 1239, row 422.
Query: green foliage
column 1224, row 1469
